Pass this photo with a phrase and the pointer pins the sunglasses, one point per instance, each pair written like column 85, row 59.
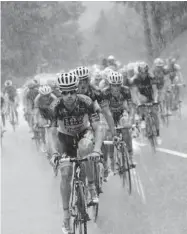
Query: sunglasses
column 65, row 93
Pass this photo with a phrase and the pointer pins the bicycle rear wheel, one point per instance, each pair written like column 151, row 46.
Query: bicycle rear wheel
column 80, row 217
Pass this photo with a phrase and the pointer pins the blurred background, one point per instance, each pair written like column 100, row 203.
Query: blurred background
column 46, row 37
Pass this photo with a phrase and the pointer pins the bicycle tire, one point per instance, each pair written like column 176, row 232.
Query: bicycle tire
column 81, row 218
column 151, row 132
column 127, row 169
column 37, row 140
column 97, row 180
column 12, row 119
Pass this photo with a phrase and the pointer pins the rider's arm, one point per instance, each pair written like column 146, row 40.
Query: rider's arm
column 135, row 95
column 180, row 76
column 52, row 132
column 108, row 116
column 98, row 131
column 102, row 99
column 36, row 108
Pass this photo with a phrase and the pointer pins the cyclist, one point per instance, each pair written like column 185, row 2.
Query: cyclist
column 3, row 109
column 123, row 71
column 54, row 87
column 176, row 77
column 118, row 98
column 28, row 100
column 161, row 81
column 96, row 78
column 104, row 63
column 11, row 97
column 145, row 90
column 77, row 121
column 104, row 82
column 112, row 63
column 42, row 112
column 95, row 94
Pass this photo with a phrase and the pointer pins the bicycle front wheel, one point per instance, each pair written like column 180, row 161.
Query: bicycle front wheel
column 151, row 132
column 81, row 216
column 127, row 169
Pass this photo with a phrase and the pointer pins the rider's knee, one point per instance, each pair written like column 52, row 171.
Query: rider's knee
column 85, row 145
column 66, row 172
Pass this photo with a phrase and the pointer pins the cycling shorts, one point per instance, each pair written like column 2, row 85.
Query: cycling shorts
column 69, row 144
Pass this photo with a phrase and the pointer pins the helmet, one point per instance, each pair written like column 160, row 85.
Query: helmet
column 82, row 72
column 45, row 89
column 172, row 60
column 143, row 67
column 123, row 70
column 111, row 57
column 158, row 62
column 115, row 78
column 8, row 83
column 68, row 81
column 130, row 67
column 32, row 84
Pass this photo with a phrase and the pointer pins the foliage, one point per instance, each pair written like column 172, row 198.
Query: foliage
column 39, row 34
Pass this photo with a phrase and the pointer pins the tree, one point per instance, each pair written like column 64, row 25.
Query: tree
column 34, row 32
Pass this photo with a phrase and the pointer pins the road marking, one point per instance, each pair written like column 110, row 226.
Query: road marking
column 168, row 151
column 179, row 154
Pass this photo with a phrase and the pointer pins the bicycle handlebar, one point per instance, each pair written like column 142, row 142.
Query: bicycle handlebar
column 173, row 85
column 150, row 104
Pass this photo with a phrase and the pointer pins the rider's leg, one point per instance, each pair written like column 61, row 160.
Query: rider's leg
column 108, row 152
column 85, row 147
column 124, row 122
column 65, row 145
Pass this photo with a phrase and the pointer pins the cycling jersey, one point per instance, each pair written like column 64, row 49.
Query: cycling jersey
column 43, row 104
column 31, row 95
column 75, row 121
column 2, row 102
column 144, row 85
column 93, row 92
column 11, row 91
column 173, row 70
column 159, row 75
column 116, row 104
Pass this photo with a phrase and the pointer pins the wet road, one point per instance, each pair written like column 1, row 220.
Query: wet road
column 31, row 201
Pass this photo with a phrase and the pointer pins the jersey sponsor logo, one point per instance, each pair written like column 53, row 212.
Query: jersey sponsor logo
column 73, row 120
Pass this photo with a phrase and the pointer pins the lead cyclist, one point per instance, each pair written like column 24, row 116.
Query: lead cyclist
column 78, row 126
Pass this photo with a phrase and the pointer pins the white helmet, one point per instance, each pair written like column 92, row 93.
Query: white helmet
column 111, row 57
column 68, row 81
column 8, row 83
column 115, row 78
column 158, row 62
column 45, row 90
column 82, row 72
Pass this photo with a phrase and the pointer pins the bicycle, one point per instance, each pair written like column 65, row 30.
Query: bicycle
column 122, row 160
column 12, row 116
column 151, row 130
column 98, row 180
column 78, row 201
column 175, row 98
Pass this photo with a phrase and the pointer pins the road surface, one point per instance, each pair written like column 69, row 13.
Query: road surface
column 31, row 201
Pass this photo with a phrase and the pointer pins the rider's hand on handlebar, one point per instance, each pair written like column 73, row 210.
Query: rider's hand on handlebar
column 54, row 159
column 116, row 140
